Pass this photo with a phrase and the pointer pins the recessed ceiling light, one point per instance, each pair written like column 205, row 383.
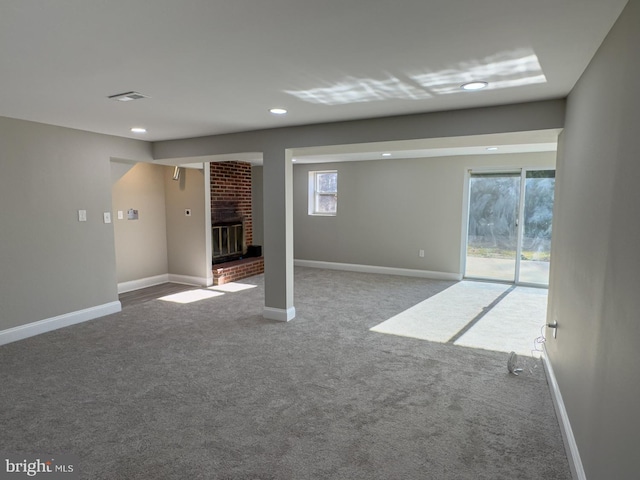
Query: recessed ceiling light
column 127, row 96
column 474, row 86
column 278, row 111
column 492, row 149
column 139, row 130
column 386, row 154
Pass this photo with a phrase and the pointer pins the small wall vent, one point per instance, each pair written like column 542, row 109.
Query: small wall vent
column 127, row 96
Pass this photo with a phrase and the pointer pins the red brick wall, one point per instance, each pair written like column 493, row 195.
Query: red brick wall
column 232, row 271
column 231, row 183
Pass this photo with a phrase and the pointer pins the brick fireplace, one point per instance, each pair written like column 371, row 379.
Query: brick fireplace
column 232, row 222
column 227, row 232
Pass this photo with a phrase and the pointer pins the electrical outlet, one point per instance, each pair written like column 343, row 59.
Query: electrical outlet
column 421, row 253
column 82, row 215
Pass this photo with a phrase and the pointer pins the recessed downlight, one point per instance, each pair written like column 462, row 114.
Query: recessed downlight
column 471, row 86
column 139, row 130
column 127, row 96
column 278, row 111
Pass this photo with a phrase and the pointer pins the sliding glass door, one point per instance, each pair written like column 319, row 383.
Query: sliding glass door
column 509, row 226
column 536, row 235
column 492, row 234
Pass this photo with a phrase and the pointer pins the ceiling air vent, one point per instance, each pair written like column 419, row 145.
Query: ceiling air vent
column 127, row 97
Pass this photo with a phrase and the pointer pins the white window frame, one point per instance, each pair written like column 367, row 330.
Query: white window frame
column 314, row 195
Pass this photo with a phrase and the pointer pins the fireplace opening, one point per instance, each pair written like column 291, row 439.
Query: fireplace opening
column 228, row 231
column 227, row 242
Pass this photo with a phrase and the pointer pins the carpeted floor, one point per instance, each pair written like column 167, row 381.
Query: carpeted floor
column 211, row 390
column 491, row 316
column 442, row 316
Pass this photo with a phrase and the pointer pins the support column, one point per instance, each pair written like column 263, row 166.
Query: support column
column 278, row 235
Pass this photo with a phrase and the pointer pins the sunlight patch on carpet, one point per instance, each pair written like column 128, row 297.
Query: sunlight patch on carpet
column 190, row 296
column 232, row 287
column 442, row 316
column 512, row 325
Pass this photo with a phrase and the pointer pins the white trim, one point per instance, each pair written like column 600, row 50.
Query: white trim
column 48, row 324
column 279, row 314
column 466, row 199
column 208, row 240
column 352, row 267
column 570, row 445
column 132, row 285
column 188, row 280
column 165, row 278
column 313, row 194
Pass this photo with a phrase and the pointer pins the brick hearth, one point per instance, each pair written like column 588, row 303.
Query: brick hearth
column 237, row 270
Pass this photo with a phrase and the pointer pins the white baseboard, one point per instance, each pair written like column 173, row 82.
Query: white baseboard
column 142, row 283
column 188, row 280
column 405, row 272
column 279, row 314
column 570, row 445
column 48, row 324
column 160, row 279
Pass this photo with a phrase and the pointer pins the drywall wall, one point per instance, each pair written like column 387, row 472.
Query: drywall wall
column 596, row 257
column 388, row 210
column 521, row 117
column 51, row 263
column 186, row 235
column 119, row 168
column 141, row 245
column 276, row 145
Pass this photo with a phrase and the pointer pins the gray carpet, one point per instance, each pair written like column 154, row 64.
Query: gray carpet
column 211, row 390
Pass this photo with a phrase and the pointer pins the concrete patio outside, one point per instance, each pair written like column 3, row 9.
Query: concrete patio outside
column 531, row 271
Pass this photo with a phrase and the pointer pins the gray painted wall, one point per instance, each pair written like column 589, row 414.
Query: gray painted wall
column 141, row 245
column 595, row 272
column 388, row 210
column 48, row 173
column 51, row 263
column 521, row 117
column 186, row 235
column 276, row 145
column 119, row 169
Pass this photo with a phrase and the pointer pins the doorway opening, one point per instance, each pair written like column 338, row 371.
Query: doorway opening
column 509, row 226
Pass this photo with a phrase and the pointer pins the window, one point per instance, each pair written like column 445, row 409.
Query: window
column 323, row 192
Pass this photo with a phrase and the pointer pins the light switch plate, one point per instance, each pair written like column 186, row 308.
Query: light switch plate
column 107, row 217
column 82, row 215
column 120, row 215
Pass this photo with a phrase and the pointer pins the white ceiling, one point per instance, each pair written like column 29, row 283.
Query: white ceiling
column 214, row 66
